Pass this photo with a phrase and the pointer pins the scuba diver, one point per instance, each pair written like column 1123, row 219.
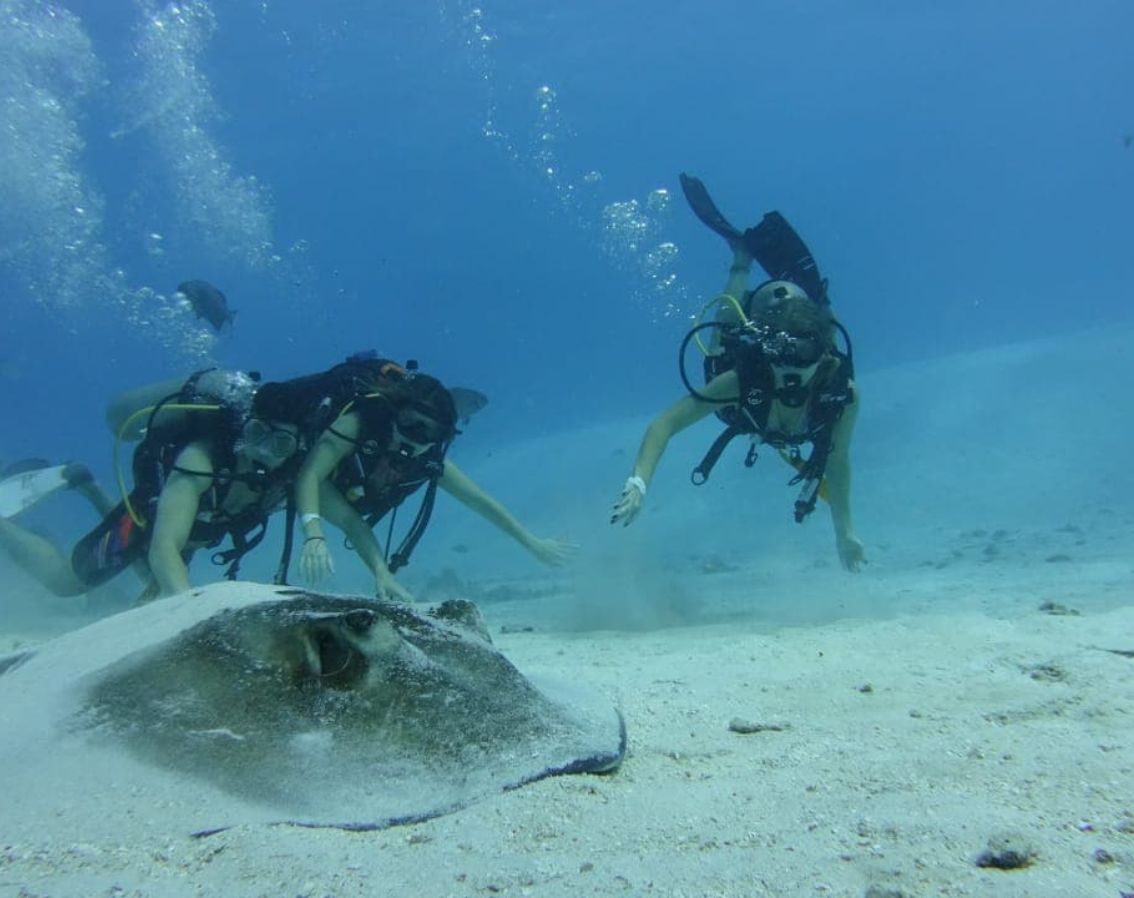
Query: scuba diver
column 205, row 468
column 378, row 433
column 773, row 372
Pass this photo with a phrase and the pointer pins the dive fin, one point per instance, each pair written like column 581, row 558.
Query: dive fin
column 773, row 243
column 705, row 209
column 23, row 490
column 782, row 253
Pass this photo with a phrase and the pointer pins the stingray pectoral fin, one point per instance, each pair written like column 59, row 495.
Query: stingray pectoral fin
column 238, row 704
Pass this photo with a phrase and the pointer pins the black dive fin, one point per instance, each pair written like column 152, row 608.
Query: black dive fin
column 705, row 209
column 782, row 253
column 773, row 243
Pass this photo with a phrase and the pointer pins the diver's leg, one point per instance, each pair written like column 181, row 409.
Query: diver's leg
column 730, row 302
column 82, row 481
column 39, row 558
column 125, row 405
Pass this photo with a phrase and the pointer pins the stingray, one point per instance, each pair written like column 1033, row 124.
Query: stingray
column 244, row 704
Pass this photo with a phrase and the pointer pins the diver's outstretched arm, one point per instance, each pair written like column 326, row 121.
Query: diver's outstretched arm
column 686, row 411
column 459, row 485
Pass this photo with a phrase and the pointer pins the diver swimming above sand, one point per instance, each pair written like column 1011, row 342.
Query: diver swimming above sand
column 206, row 468
column 773, row 372
column 219, row 453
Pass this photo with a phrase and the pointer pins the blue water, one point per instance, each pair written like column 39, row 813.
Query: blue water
column 493, row 189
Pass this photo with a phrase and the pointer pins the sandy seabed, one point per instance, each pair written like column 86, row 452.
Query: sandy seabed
column 971, row 690
column 889, row 754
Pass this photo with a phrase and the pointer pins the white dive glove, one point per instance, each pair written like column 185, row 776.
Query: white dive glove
column 630, row 502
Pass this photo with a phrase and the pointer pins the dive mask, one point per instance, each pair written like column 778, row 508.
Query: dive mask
column 791, row 351
column 414, row 433
column 267, row 443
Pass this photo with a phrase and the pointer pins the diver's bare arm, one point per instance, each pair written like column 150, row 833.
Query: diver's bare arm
column 176, row 512
column 686, row 411
column 341, row 514
column 461, row 487
column 328, row 451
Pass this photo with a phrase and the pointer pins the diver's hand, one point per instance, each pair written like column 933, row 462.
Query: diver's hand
column 316, row 563
column 552, row 552
column 630, row 502
column 386, row 587
column 852, row 554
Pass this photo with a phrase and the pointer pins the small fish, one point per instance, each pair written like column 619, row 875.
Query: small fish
column 208, row 303
column 468, row 402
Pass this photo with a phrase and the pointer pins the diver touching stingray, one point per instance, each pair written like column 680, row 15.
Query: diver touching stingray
column 774, row 372
column 378, row 433
column 206, row 468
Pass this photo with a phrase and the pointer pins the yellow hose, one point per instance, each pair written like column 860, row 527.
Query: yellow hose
column 715, row 301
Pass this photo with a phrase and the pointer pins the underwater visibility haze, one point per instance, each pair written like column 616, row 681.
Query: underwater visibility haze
column 491, row 189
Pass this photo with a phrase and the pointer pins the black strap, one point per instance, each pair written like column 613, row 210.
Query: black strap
column 701, row 472
column 805, row 504
column 242, row 544
column 280, row 579
column 417, row 529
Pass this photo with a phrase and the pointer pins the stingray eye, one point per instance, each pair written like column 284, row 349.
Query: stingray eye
column 359, row 621
column 369, row 447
